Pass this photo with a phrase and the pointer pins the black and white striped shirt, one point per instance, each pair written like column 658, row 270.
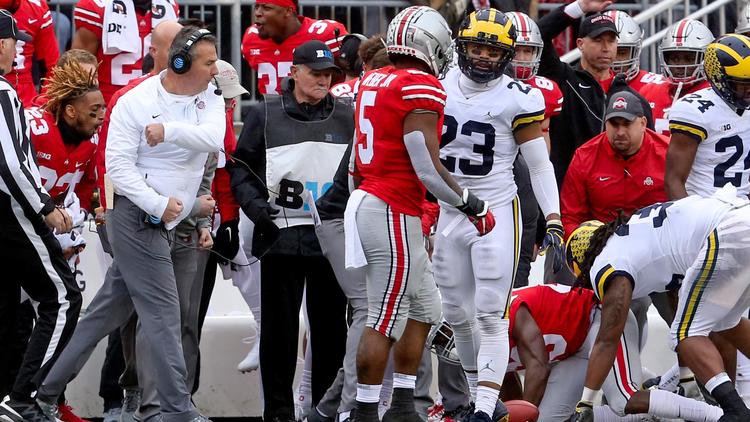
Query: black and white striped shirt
column 19, row 175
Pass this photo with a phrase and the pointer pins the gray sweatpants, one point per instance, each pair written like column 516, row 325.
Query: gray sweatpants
column 142, row 278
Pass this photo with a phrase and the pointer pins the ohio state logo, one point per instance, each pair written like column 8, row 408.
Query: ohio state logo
column 620, row 103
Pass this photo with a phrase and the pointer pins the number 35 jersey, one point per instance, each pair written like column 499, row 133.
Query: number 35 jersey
column 478, row 146
column 723, row 138
column 660, row 242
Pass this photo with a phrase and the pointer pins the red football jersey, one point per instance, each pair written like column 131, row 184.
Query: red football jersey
column 661, row 98
column 33, row 17
column 346, row 89
column 273, row 61
column 386, row 96
column 115, row 70
column 562, row 314
column 61, row 166
column 646, row 79
column 553, row 97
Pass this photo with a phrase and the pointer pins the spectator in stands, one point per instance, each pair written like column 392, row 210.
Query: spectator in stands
column 619, row 170
column 34, row 18
column 278, row 29
column 121, row 50
column 295, row 126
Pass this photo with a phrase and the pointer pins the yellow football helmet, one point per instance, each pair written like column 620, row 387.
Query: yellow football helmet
column 727, row 67
column 492, row 28
column 578, row 243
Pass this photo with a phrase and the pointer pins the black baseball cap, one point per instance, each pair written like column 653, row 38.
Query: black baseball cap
column 9, row 29
column 596, row 24
column 624, row 104
column 315, row 55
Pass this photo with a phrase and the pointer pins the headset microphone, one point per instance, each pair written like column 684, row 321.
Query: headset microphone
column 217, row 91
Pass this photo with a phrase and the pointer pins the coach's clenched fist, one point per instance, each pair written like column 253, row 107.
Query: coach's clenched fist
column 174, row 208
column 154, row 134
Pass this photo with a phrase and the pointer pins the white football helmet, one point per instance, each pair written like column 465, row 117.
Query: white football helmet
column 441, row 342
column 686, row 35
column 743, row 20
column 527, row 35
column 421, row 32
column 630, row 36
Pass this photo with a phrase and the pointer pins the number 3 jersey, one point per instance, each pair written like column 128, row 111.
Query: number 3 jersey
column 61, row 166
column 660, row 242
column 478, row 146
column 386, row 96
column 723, row 138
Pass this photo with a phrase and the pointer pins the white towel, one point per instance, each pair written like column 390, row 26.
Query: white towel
column 354, row 255
column 120, row 31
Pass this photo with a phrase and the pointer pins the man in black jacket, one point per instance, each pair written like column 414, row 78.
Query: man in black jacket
column 286, row 157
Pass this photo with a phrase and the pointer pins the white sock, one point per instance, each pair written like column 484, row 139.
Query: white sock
column 404, row 380
column 305, row 383
column 669, row 405
column 486, row 400
column 606, row 414
column 670, row 379
column 385, row 393
column 368, row 393
column 716, row 381
column 472, row 379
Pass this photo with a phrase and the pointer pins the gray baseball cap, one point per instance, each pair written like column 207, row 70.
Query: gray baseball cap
column 624, row 104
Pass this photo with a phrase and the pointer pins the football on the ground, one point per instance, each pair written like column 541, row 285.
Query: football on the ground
column 521, row 411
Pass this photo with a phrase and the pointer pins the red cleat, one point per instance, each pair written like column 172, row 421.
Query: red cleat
column 66, row 414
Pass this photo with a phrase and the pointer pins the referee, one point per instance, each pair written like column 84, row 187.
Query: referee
column 31, row 256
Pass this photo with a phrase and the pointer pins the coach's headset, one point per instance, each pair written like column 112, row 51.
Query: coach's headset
column 180, row 62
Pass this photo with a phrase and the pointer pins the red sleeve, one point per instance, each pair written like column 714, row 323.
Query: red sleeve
column 45, row 41
column 430, row 212
column 85, row 188
column 573, row 199
column 422, row 91
column 555, row 105
column 88, row 14
column 247, row 41
column 229, row 209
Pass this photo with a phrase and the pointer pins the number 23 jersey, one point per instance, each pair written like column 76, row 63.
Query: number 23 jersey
column 723, row 138
column 477, row 145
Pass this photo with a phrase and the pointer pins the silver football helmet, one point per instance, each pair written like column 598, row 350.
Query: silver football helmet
column 685, row 36
column 421, row 32
column 440, row 341
column 631, row 37
column 743, row 20
column 527, row 35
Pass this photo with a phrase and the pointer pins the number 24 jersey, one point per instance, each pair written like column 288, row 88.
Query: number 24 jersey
column 723, row 138
column 478, row 146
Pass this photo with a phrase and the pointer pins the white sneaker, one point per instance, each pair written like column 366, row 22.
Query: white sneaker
column 252, row 360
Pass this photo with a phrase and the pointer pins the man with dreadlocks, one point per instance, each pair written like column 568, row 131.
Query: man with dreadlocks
column 698, row 239
column 61, row 131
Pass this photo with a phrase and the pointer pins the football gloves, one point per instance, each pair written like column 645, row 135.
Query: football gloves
column 477, row 211
column 584, row 412
column 227, row 241
column 553, row 243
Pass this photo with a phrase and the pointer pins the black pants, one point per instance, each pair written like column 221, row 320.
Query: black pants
column 11, row 355
column 209, row 280
column 283, row 279
column 32, row 259
column 113, row 366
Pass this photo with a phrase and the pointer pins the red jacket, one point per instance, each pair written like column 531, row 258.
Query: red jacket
column 228, row 207
column 599, row 182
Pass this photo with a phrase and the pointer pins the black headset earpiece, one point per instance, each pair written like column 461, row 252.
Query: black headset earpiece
column 180, row 62
column 217, row 91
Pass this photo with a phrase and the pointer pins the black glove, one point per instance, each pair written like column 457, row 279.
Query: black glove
column 227, row 241
column 473, row 206
column 584, row 412
column 553, row 243
column 265, row 233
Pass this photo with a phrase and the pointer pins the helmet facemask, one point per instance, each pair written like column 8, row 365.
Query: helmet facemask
column 478, row 69
column 631, row 65
column 689, row 72
column 526, row 69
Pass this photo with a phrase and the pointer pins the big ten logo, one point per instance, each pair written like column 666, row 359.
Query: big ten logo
column 118, row 6
column 158, row 11
column 291, row 191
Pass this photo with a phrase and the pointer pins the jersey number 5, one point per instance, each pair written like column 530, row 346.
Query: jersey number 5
column 365, row 149
column 486, row 149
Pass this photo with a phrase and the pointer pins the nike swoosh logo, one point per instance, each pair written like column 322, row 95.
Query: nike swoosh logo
column 153, row 116
column 31, row 21
column 604, row 179
column 584, row 86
